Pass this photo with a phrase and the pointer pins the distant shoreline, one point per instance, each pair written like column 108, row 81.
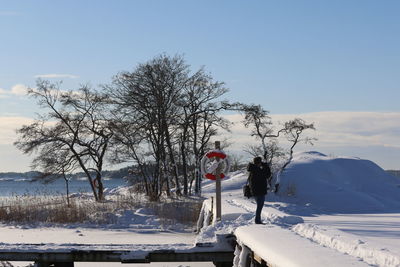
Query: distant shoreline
column 116, row 174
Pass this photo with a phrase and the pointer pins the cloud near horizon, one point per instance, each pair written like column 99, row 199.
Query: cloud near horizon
column 358, row 129
column 8, row 126
column 22, row 90
column 3, row 93
column 19, row 90
column 55, row 76
column 372, row 135
column 16, row 90
column 352, row 129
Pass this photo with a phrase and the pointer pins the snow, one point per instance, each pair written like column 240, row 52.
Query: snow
column 331, row 211
column 282, row 248
column 349, row 244
column 348, row 206
column 137, row 231
column 51, row 237
column 340, row 185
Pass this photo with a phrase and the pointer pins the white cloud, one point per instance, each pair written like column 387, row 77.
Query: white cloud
column 371, row 135
column 19, row 90
column 352, row 129
column 13, row 160
column 8, row 126
column 54, row 75
column 3, row 93
column 356, row 128
column 16, row 90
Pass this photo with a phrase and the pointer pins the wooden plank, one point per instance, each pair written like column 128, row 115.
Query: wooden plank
column 117, row 256
column 187, row 257
column 259, row 260
column 70, row 256
column 206, row 254
column 52, row 264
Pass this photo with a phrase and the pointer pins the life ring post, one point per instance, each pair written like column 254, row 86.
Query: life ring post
column 215, row 165
column 218, row 172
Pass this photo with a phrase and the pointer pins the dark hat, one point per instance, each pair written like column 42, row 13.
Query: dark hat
column 257, row 160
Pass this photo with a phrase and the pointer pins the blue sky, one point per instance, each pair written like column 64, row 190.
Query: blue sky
column 293, row 57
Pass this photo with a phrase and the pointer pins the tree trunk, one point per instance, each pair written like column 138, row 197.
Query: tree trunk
column 173, row 162
column 184, row 165
column 67, row 189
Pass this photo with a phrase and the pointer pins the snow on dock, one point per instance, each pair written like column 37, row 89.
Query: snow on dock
column 279, row 247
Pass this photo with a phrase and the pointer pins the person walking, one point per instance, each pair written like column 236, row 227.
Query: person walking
column 259, row 175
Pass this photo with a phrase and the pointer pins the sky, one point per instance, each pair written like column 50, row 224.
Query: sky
column 334, row 63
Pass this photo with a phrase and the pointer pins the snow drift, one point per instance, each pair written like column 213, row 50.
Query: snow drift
column 338, row 185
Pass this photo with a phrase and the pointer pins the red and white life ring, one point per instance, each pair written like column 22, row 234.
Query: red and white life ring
column 208, row 173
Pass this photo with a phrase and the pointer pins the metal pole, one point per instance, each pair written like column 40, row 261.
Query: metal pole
column 218, row 184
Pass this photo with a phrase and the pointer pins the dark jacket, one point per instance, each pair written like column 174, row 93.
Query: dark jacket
column 258, row 178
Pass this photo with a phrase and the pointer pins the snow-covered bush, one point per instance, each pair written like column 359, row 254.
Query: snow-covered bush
column 118, row 209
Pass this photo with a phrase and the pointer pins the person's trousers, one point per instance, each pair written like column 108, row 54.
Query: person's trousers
column 260, row 204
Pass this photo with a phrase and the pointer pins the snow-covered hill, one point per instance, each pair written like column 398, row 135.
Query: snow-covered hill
column 339, row 185
column 348, row 208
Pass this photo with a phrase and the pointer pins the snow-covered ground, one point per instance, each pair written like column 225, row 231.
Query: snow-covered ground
column 335, row 211
column 346, row 205
column 137, row 231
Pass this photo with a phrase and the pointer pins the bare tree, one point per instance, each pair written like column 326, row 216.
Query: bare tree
column 261, row 126
column 209, row 124
column 54, row 164
column 293, row 131
column 236, row 161
column 74, row 128
column 259, row 121
column 128, row 145
column 165, row 117
column 199, row 121
column 272, row 152
column 145, row 101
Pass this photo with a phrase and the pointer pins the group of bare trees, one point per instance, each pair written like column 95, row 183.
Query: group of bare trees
column 160, row 117
column 164, row 117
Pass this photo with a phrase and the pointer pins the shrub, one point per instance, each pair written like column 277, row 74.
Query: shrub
column 42, row 209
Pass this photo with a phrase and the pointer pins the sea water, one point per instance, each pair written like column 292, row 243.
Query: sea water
column 18, row 187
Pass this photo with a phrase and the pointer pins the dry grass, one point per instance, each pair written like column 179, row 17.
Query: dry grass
column 28, row 209
column 185, row 211
column 40, row 209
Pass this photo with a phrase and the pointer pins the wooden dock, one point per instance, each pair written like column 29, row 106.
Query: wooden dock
column 117, row 256
column 221, row 254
